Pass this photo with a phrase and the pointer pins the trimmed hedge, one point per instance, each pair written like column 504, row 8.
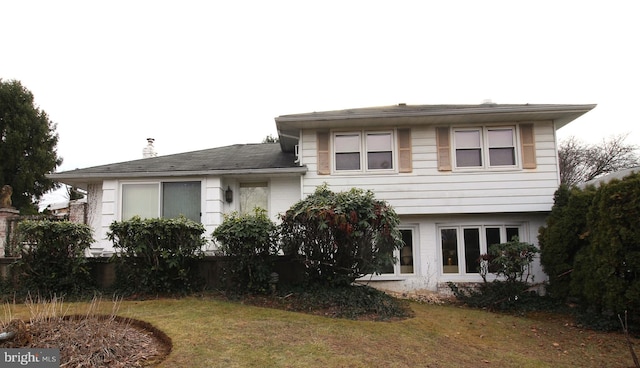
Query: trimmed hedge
column 250, row 240
column 52, row 257
column 156, row 255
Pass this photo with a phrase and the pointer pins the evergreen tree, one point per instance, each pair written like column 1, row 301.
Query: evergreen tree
column 27, row 146
column 564, row 236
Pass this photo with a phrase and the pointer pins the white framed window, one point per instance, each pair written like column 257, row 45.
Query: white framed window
column 253, row 195
column 501, row 146
column 363, row 151
column 347, row 151
column 406, row 255
column 161, row 199
column 468, row 148
column 462, row 245
column 379, row 148
column 485, row 147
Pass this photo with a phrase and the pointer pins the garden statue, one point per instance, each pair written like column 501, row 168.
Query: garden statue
column 5, row 196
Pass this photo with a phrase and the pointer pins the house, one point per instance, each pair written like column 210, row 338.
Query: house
column 461, row 177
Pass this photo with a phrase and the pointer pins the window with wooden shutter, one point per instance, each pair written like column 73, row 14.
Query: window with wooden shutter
column 528, row 143
column 443, row 144
column 324, row 168
column 405, row 163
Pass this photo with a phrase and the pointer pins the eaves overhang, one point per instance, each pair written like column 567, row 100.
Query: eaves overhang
column 407, row 115
column 80, row 178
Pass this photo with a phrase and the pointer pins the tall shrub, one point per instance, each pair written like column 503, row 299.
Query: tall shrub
column 250, row 242
column 341, row 236
column 611, row 264
column 565, row 233
column 157, row 254
column 53, row 256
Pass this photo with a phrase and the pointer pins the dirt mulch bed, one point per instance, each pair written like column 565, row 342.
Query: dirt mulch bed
column 93, row 341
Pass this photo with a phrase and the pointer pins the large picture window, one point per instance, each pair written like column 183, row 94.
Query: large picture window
column 461, row 246
column 485, row 147
column 164, row 199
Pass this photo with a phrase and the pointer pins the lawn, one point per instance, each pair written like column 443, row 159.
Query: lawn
column 209, row 332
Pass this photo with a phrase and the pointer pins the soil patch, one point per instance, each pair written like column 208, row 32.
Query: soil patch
column 93, row 341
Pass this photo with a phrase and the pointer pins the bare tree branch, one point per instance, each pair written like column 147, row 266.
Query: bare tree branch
column 580, row 162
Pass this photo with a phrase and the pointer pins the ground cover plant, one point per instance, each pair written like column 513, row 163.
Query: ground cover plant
column 207, row 331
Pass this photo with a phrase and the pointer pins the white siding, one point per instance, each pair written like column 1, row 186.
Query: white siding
column 284, row 192
column 107, row 215
column 429, row 191
column 213, row 207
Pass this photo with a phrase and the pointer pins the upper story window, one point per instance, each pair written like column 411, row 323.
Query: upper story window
column 347, row 150
column 364, row 151
column 485, row 147
column 371, row 150
column 161, row 199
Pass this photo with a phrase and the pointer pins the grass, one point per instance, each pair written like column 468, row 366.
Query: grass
column 209, row 332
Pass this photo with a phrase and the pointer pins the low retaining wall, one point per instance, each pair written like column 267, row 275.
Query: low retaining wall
column 210, row 268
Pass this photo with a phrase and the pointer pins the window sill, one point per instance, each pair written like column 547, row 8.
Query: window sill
column 485, row 169
column 361, row 173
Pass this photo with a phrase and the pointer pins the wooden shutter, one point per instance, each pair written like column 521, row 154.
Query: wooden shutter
column 443, row 143
column 323, row 153
column 405, row 164
column 528, row 146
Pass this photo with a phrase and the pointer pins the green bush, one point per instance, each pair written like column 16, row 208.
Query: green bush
column 610, row 265
column 511, row 262
column 565, row 234
column 499, row 296
column 157, row 255
column 341, row 236
column 53, row 257
column 250, row 242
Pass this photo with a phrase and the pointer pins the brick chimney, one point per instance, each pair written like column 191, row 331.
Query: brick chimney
column 149, row 150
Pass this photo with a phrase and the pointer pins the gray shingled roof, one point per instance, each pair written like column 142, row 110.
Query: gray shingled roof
column 404, row 110
column 235, row 159
column 289, row 126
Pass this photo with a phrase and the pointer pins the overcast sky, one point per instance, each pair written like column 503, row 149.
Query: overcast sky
column 201, row 74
